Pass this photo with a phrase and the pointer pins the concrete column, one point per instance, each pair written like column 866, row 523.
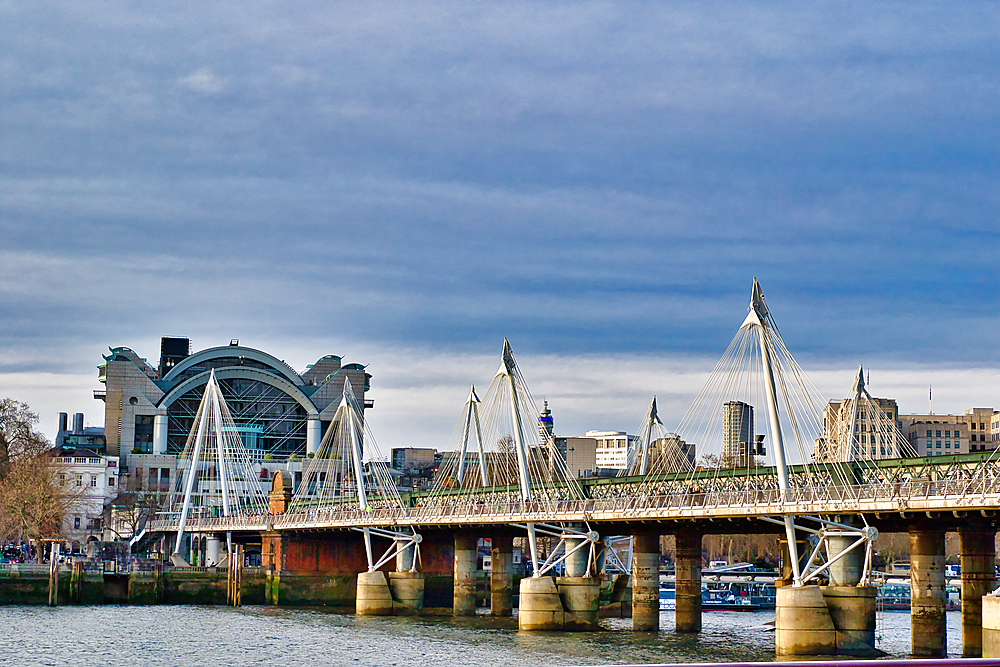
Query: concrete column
column 374, row 598
column 646, row 583
column 847, row 570
column 576, row 565
column 465, row 576
column 802, row 623
column 978, row 579
column 581, row 602
column 502, row 576
column 687, row 584
column 927, row 594
column 160, row 434
column 991, row 626
column 539, row 606
column 212, row 548
column 314, row 434
column 404, row 557
column 407, row 592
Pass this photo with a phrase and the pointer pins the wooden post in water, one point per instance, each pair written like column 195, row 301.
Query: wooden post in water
column 76, row 583
column 54, row 575
column 234, row 576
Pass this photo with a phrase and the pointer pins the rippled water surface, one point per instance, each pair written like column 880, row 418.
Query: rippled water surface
column 141, row 636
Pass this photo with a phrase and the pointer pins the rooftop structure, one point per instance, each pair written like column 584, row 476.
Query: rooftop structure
column 276, row 410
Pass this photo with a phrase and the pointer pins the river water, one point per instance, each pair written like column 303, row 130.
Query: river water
column 280, row 637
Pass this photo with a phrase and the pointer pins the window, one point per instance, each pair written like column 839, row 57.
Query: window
column 937, row 445
column 79, row 482
column 93, row 480
column 76, row 523
column 928, row 434
column 937, row 433
column 947, row 445
column 973, row 426
column 62, row 479
column 111, row 481
column 982, row 426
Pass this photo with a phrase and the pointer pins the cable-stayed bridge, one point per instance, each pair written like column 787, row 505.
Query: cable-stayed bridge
column 767, row 464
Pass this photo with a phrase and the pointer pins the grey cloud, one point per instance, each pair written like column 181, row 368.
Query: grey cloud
column 588, row 176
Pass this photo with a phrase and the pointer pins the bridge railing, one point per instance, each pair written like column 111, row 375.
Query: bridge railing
column 631, row 502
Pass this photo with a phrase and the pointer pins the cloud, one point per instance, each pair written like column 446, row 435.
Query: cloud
column 203, row 80
column 592, row 179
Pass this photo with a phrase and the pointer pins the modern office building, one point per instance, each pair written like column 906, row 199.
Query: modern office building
column 738, row 442
column 277, row 410
column 612, row 449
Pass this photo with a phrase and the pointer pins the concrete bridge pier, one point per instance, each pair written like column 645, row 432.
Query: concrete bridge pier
column 978, row 579
column 465, row 576
column 927, row 593
column 396, row 593
column 502, row 576
column 559, row 603
column 213, row 547
column 569, row 603
column 803, row 624
column 991, row 626
column 851, row 607
column 646, row 583
column 687, row 582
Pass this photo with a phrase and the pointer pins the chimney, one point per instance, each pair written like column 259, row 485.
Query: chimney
column 78, row 422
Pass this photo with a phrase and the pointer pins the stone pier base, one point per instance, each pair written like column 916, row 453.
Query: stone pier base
column 399, row 594
column 559, row 603
column 803, row 624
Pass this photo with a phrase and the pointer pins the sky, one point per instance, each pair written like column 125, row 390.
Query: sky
column 404, row 184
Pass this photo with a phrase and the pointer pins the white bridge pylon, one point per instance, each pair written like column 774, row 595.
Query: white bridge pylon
column 781, row 376
column 337, row 478
column 499, row 449
column 215, row 473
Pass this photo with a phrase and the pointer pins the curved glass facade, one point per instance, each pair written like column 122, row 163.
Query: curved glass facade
column 277, row 419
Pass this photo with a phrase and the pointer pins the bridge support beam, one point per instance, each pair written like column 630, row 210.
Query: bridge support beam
column 646, row 583
column 978, row 579
column 465, row 576
column 927, row 593
column 687, row 582
column 502, row 576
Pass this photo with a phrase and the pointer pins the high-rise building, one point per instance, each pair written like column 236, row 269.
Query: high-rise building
column 277, row 410
column 545, row 424
column 737, row 434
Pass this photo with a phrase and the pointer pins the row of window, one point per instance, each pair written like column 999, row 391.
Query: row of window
column 947, row 434
column 937, row 445
column 79, row 481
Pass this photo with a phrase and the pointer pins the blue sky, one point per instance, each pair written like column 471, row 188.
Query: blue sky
column 597, row 181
